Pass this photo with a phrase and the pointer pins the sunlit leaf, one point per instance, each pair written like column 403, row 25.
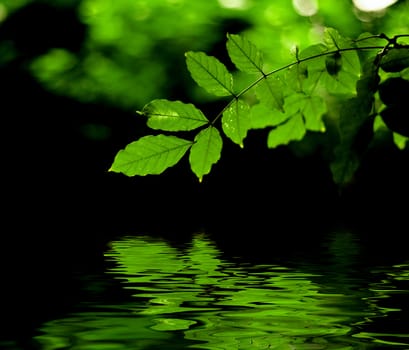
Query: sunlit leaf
column 292, row 130
column 344, row 82
column 313, row 84
column 263, row 116
column 269, row 91
column 311, row 108
column 314, row 58
column 205, row 151
column 334, row 40
column 379, row 124
column 306, row 75
column 244, row 54
column 367, row 39
column 345, row 68
column 236, row 121
column 351, row 63
column 173, row 115
column 294, row 78
column 209, row 73
column 400, row 141
column 404, row 74
column 150, row 155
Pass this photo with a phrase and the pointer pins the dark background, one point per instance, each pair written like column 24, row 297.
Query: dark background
column 56, row 185
column 61, row 206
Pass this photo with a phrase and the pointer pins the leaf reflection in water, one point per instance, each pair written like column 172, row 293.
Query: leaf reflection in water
column 233, row 305
column 192, row 297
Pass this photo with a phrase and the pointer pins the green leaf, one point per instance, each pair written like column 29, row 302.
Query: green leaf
column 369, row 80
column 269, row 91
column 306, row 76
column 368, row 39
column 209, row 73
column 173, row 115
column 292, row 130
column 150, row 155
column 354, row 117
column 400, row 140
column 314, row 82
column 318, row 62
column 312, row 108
column 344, row 68
column 354, row 113
column 205, row 151
column 344, row 82
column 310, row 71
column 263, row 116
column 395, row 60
column 333, row 63
column 236, row 121
column 334, row 40
column 351, row 63
column 244, row 54
column 294, row 78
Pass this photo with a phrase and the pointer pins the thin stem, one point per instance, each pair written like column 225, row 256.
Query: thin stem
column 401, row 35
column 376, row 36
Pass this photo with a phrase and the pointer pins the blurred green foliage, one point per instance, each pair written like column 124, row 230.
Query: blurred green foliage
column 134, row 49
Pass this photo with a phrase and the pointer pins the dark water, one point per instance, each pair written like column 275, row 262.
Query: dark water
column 155, row 293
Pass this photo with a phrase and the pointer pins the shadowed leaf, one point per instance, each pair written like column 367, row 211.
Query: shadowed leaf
column 354, row 115
column 395, row 60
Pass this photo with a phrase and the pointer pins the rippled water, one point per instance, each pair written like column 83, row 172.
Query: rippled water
column 195, row 297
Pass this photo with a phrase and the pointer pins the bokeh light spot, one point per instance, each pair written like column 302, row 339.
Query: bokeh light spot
column 306, row 8
column 373, row 5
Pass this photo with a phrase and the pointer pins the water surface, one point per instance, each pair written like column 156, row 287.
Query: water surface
column 195, row 296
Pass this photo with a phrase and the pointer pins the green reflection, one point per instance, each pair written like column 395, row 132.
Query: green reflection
column 394, row 284
column 228, row 305
column 99, row 330
column 193, row 298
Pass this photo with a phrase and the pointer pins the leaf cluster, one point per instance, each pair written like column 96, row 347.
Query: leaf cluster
column 337, row 87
